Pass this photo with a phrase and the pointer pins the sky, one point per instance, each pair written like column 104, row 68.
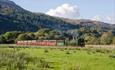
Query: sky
column 100, row 10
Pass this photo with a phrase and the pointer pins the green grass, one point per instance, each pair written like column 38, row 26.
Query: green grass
column 65, row 58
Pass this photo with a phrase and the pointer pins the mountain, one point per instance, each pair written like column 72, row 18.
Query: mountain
column 15, row 18
column 90, row 23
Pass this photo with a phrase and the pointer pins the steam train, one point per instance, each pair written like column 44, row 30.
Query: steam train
column 81, row 42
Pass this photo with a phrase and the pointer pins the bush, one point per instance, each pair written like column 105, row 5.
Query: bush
column 67, row 52
column 112, row 56
column 46, row 51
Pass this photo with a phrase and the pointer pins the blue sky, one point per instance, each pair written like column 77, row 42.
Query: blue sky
column 87, row 8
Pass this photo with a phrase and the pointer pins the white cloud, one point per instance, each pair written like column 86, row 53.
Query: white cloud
column 107, row 19
column 97, row 18
column 65, row 10
column 111, row 19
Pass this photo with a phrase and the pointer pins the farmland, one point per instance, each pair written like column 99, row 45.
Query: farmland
column 50, row 58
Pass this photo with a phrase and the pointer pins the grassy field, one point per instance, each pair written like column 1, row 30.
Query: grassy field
column 57, row 59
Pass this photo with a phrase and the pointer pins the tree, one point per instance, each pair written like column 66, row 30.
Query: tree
column 22, row 37
column 31, row 36
column 11, row 36
column 48, row 34
column 113, row 40
column 91, row 39
column 2, row 39
column 106, row 38
column 40, row 34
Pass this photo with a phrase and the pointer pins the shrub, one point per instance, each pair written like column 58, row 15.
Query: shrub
column 67, row 52
column 46, row 51
column 112, row 56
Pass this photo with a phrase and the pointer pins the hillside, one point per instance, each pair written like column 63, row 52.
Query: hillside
column 15, row 18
